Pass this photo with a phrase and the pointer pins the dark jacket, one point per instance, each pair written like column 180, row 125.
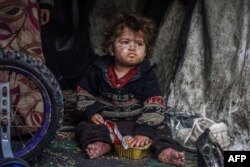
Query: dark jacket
column 140, row 99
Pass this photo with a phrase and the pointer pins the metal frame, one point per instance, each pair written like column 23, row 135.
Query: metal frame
column 5, row 120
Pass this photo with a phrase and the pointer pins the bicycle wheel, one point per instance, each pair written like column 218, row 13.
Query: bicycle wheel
column 13, row 162
column 36, row 102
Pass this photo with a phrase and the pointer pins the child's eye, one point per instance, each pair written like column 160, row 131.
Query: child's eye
column 125, row 42
column 140, row 43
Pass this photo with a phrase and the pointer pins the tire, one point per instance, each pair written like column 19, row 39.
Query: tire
column 29, row 138
column 13, row 162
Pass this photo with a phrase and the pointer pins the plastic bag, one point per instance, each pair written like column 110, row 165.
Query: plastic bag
column 177, row 120
column 188, row 126
column 189, row 136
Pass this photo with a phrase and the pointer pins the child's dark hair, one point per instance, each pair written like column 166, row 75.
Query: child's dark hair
column 135, row 23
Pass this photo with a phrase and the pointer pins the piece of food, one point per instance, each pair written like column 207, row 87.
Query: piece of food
column 128, row 140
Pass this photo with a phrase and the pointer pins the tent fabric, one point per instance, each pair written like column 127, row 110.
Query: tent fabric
column 19, row 27
column 213, row 76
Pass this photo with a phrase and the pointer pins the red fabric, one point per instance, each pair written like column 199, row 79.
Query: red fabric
column 118, row 83
column 159, row 100
column 19, row 27
column 79, row 89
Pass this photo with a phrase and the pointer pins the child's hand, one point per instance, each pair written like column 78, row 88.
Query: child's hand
column 97, row 119
column 140, row 141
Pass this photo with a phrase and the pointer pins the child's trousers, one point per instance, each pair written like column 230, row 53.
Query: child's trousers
column 87, row 133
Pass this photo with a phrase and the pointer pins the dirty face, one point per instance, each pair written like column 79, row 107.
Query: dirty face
column 129, row 48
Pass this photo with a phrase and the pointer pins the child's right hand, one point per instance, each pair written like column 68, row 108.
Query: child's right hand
column 97, row 119
column 139, row 141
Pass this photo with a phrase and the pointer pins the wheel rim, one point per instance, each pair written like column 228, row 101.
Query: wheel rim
column 24, row 141
column 13, row 162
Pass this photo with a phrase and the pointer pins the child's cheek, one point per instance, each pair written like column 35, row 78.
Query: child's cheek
column 123, row 48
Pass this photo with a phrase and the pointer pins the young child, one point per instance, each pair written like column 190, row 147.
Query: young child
column 122, row 87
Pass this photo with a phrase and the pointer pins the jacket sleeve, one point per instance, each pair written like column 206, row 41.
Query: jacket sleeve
column 87, row 91
column 153, row 105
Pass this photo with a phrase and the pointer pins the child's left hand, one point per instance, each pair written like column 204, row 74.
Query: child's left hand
column 140, row 141
column 97, row 119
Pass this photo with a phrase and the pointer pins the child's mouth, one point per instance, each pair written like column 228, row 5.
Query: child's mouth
column 131, row 55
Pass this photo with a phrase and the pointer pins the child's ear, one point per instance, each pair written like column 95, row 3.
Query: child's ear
column 111, row 50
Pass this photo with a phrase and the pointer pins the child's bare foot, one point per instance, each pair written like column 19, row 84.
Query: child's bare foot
column 97, row 149
column 171, row 156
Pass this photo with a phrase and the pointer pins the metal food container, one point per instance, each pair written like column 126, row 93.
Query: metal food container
column 132, row 152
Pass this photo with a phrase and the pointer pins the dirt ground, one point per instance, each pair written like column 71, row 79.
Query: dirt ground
column 64, row 151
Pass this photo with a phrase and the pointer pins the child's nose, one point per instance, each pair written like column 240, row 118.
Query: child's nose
column 132, row 45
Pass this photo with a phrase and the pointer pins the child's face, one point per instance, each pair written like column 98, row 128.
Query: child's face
column 129, row 48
